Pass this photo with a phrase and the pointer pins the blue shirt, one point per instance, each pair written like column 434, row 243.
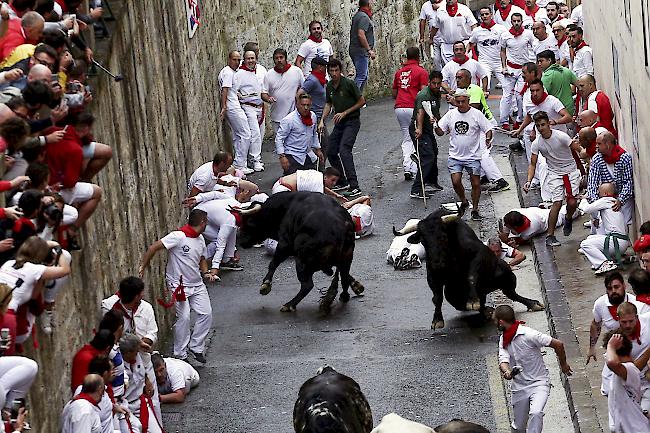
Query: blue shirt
column 622, row 178
column 295, row 138
column 316, row 90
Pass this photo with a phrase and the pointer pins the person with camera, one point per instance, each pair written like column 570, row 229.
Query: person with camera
column 520, row 361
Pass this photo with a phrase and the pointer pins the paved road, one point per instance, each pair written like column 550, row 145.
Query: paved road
column 259, row 357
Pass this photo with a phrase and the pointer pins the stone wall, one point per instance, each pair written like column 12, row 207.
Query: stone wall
column 162, row 122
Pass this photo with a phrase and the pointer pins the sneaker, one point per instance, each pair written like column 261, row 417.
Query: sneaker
column 499, row 185
column 516, row 147
column 476, row 216
column 484, row 180
column 181, row 357
column 419, row 195
column 199, row 357
column 568, row 227
column 463, row 207
column 433, row 186
column 408, row 175
column 414, row 262
column 47, row 321
column 551, row 241
column 258, row 166
column 231, row 265
column 351, row 192
column 340, row 187
column 605, row 267
column 247, row 170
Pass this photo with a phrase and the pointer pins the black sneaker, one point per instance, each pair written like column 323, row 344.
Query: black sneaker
column 199, row 357
column 231, row 265
column 516, row 147
column 351, row 192
column 499, row 185
column 476, row 216
column 551, row 241
column 340, row 187
column 568, row 227
column 408, row 175
column 419, row 195
column 433, row 186
column 484, row 180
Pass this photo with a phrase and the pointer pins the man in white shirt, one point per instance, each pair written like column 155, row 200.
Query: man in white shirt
column 534, row 12
column 486, row 38
column 428, row 12
column 516, row 46
column 563, row 175
column 637, row 329
column 81, row 414
column 524, row 223
column 583, row 57
column 208, row 175
column 544, row 40
column 465, row 125
column 459, row 61
column 175, row 378
column 560, row 33
column 576, row 15
column 260, row 71
column 315, row 46
column 504, row 13
column 553, row 12
column 231, row 109
column 455, row 23
column 505, row 251
column 249, row 91
column 521, row 361
column 280, row 87
column 186, row 268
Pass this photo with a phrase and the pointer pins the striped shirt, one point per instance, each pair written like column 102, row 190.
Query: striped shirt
column 622, row 177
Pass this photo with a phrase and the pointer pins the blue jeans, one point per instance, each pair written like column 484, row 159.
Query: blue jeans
column 361, row 66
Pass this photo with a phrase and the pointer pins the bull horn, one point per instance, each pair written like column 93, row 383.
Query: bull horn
column 251, row 210
column 409, row 227
column 449, row 218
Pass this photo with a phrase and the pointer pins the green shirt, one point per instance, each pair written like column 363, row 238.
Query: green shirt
column 476, row 96
column 557, row 82
column 427, row 95
column 344, row 96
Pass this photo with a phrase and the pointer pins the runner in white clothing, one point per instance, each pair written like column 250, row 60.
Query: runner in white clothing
column 583, row 57
column 208, row 176
column 249, row 91
column 187, row 262
column 486, row 39
column 560, row 33
column 544, row 41
column 459, row 61
column 534, row 12
column 637, row 329
column 504, row 13
column 315, row 46
column 81, row 414
column 280, row 87
column 522, row 224
column 431, row 45
column 454, row 22
column 521, row 361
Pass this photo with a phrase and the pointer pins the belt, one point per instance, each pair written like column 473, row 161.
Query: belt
column 252, row 105
column 617, row 249
column 513, row 65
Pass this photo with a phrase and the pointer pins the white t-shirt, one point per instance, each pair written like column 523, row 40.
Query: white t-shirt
column 457, row 28
column 203, row 178
column 576, row 16
column 565, row 53
column 611, row 221
column 22, row 280
column 506, row 22
column 80, row 416
column 218, row 216
column 507, row 252
column 557, row 151
column 175, row 378
column 428, row 13
column 488, row 43
column 603, row 316
column 524, row 350
column 184, row 257
column 583, row 62
column 551, row 105
column 465, row 131
column 105, row 411
column 538, row 222
column 450, row 69
column 550, row 43
column 624, row 402
column 540, row 15
column 248, row 87
column 310, row 49
column 142, row 323
column 309, row 180
column 518, row 49
column 638, row 349
column 227, row 80
column 283, row 88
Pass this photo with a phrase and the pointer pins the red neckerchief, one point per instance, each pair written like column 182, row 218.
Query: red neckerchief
column 246, row 68
column 524, row 226
column 531, row 13
column 357, row 224
column 643, row 297
column 613, row 158
column 561, row 41
column 366, row 10
column 23, row 221
column 488, row 26
column 312, row 38
column 84, row 396
column 523, row 89
column 636, row 333
column 462, row 59
column 238, row 218
column 613, row 310
column 189, row 231
column 306, row 120
column 282, row 71
column 516, row 33
column 580, row 45
column 542, row 99
column 641, row 244
column 510, row 333
column 320, row 76
column 120, row 307
column 505, row 12
column 452, row 10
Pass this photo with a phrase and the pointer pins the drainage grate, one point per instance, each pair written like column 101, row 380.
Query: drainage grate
column 173, row 417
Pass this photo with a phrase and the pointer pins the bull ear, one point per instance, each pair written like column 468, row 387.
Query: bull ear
column 415, row 238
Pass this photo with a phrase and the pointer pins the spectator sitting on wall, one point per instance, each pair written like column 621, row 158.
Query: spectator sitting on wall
column 175, row 378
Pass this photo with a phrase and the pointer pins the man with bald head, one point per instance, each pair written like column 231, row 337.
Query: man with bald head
column 587, row 141
column 590, row 98
column 27, row 30
column 612, row 164
column 81, row 414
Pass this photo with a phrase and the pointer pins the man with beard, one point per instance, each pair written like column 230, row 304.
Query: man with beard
column 280, row 86
column 315, row 46
column 503, row 11
column 583, row 56
column 531, row 382
column 455, row 23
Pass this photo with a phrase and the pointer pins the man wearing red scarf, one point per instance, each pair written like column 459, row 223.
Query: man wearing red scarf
column 637, row 329
column 81, row 414
column 583, row 57
column 408, row 81
column 428, row 12
column 486, row 39
column 504, row 9
column 315, row 46
column 454, row 23
column 281, row 85
column 314, row 86
column 462, row 61
column 187, row 259
column 248, row 86
column 25, row 30
column 520, row 346
column 560, row 33
column 362, row 42
column 590, row 98
column 522, row 224
column 534, row 12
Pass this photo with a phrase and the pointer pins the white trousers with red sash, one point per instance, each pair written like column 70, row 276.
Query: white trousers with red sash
column 199, row 301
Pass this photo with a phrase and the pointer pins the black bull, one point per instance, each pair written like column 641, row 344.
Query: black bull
column 461, row 266
column 312, row 227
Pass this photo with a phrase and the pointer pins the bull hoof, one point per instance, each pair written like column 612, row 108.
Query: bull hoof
column 265, row 289
column 437, row 324
column 473, row 305
column 537, row 306
column 325, row 308
column 344, row 296
column 287, row 308
column 357, row 287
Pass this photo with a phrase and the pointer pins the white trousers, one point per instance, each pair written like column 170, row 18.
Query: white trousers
column 436, row 54
column 446, row 53
column 488, row 166
column 53, row 287
column 492, row 68
column 594, row 249
column 254, row 115
column 241, row 135
column 511, row 97
column 16, row 376
column 529, row 405
column 199, row 301
column 404, row 116
column 223, row 247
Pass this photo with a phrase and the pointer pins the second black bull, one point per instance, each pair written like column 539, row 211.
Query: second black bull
column 312, row 227
column 460, row 266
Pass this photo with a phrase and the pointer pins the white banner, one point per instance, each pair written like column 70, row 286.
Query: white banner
column 193, row 16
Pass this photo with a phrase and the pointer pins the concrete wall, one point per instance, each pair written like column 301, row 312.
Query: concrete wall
column 162, row 122
column 620, row 38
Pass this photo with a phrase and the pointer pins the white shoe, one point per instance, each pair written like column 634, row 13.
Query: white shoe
column 586, row 224
column 258, row 166
column 47, row 320
column 581, row 251
column 247, row 170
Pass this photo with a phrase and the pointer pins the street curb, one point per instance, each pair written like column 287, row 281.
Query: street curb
column 558, row 314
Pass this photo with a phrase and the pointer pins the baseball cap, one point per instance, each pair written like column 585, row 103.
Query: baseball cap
column 318, row 61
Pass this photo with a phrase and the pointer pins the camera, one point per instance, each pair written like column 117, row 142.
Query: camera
column 53, row 256
column 16, row 405
column 74, row 100
column 53, row 213
column 5, row 339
